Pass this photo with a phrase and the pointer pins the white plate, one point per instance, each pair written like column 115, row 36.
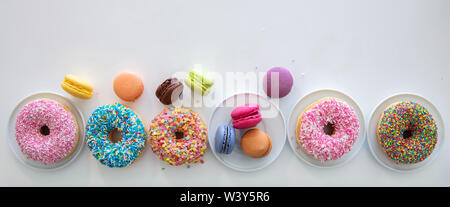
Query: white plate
column 272, row 123
column 306, row 101
column 378, row 151
column 12, row 137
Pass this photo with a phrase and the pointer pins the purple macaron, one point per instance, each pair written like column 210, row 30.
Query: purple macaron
column 283, row 84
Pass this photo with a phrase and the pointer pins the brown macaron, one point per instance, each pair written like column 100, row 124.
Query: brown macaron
column 256, row 143
column 169, row 91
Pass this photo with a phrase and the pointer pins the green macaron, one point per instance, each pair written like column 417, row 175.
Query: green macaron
column 199, row 82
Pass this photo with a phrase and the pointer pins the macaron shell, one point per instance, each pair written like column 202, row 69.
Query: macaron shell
column 255, row 143
column 79, row 82
column 77, row 87
column 128, row 86
column 270, row 146
column 76, row 91
column 285, row 82
column 160, row 90
column 243, row 111
column 193, row 85
column 200, row 76
column 174, row 92
column 247, row 122
column 199, row 82
column 169, row 90
column 220, row 138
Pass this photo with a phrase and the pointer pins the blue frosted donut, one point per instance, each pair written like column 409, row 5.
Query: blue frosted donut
column 107, row 118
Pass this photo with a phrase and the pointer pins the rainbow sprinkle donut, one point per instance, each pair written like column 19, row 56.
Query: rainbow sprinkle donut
column 115, row 153
column 328, row 129
column 407, row 132
column 46, row 131
column 178, row 136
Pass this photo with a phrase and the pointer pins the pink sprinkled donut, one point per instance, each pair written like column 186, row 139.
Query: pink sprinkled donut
column 46, row 131
column 327, row 129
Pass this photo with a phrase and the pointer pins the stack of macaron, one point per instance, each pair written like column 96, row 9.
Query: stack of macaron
column 255, row 143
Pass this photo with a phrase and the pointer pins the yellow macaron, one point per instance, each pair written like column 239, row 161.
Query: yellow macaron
column 77, row 87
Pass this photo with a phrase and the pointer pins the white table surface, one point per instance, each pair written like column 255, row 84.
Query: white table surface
column 367, row 49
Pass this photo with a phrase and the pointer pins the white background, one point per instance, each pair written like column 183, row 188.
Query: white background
column 367, row 49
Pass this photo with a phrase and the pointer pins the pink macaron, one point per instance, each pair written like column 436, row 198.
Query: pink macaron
column 246, row 116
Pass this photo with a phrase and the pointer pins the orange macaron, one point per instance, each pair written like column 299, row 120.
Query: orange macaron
column 128, row 86
column 256, row 143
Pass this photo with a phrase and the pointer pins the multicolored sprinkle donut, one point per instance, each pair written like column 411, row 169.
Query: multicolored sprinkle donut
column 407, row 132
column 115, row 117
column 328, row 129
column 178, row 136
column 46, row 131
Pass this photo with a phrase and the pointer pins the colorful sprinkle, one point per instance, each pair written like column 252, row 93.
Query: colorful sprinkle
column 412, row 119
column 178, row 136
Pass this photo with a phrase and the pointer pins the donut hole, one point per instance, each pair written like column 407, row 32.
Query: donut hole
column 115, row 136
column 329, row 129
column 45, row 130
column 179, row 135
column 407, row 134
